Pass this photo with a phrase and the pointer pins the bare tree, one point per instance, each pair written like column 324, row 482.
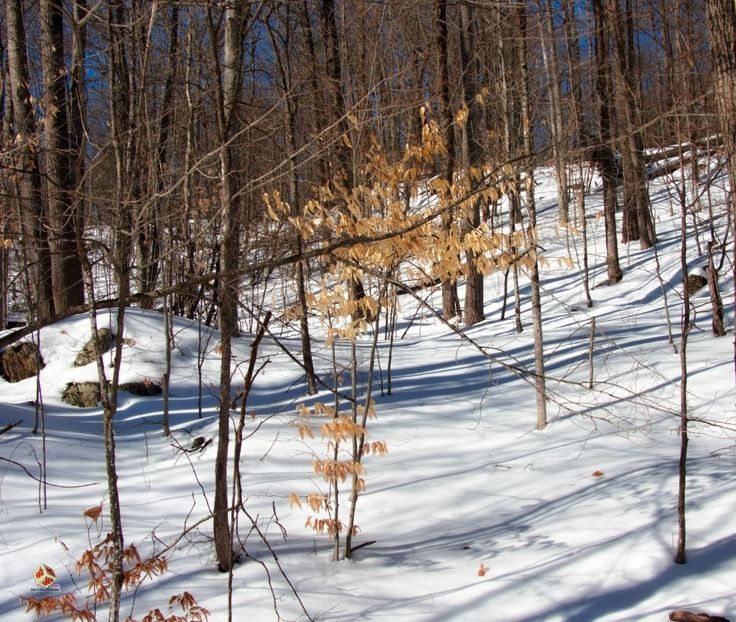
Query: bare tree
column 539, row 374
column 228, row 83
column 557, row 124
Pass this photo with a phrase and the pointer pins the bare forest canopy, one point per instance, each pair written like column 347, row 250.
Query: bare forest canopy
column 139, row 139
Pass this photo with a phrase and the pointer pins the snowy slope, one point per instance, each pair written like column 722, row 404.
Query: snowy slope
column 576, row 522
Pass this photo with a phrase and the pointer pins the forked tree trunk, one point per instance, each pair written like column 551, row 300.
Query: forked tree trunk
column 284, row 53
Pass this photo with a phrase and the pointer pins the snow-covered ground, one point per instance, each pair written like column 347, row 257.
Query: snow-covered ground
column 573, row 523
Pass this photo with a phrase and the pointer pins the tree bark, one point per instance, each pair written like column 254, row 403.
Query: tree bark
column 473, row 154
column 559, row 139
column 228, row 86
column 63, row 215
column 32, row 216
column 721, row 17
column 638, row 223
column 602, row 153
column 450, row 300
column 539, row 373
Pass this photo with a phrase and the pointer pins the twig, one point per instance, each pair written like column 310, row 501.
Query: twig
column 33, row 477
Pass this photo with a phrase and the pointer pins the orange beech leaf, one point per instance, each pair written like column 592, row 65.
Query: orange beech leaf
column 597, row 473
column 482, row 570
column 94, row 512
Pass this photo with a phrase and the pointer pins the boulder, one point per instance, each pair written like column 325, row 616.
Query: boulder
column 146, row 387
column 82, row 394
column 87, row 394
column 20, row 361
column 89, row 352
column 695, row 282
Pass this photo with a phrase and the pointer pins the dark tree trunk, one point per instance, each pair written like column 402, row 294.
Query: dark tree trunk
column 473, row 151
column 602, row 153
column 33, row 217
column 638, row 223
column 65, row 265
column 722, row 27
column 341, row 172
column 450, row 300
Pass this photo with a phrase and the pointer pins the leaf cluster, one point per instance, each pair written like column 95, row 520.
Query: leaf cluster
column 97, row 563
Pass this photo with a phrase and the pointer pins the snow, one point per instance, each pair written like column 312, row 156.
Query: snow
column 574, row 523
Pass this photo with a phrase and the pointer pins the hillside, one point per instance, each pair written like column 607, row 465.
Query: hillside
column 472, row 514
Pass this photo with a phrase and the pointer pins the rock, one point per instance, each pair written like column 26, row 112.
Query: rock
column 146, row 387
column 87, row 394
column 82, row 394
column 20, row 361
column 89, row 352
column 695, row 282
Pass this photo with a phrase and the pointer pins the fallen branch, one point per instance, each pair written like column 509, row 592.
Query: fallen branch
column 362, row 545
column 9, row 426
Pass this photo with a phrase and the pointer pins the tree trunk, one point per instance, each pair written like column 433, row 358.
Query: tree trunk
column 473, row 150
column 33, row 217
column 539, row 374
column 228, row 86
column 119, row 111
column 638, row 223
column 341, row 173
column 77, row 120
column 681, row 554
column 66, row 268
column 722, row 28
column 559, row 139
column 602, row 154
column 450, row 300
column 301, row 268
